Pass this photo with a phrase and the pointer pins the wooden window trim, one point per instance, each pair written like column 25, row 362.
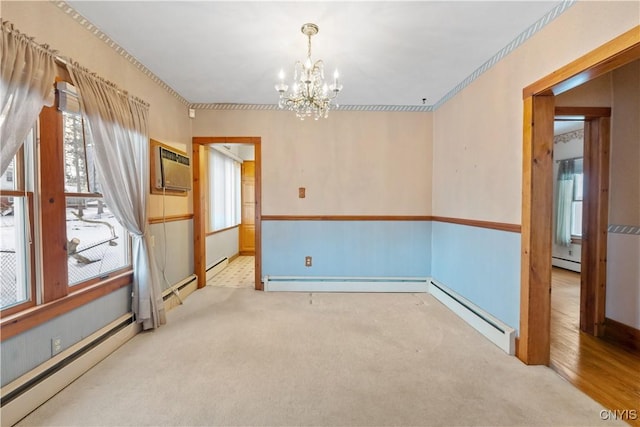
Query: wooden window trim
column 32, row 253
column 12, row 325
column 222, row 230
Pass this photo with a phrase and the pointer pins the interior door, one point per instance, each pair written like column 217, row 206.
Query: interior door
column 247, row 234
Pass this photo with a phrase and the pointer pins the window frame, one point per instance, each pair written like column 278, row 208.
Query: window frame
column 577, row 198
column 31, row 286
column 50, row 275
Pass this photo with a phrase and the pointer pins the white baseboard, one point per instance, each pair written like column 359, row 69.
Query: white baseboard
column 345, row 284
column 175, row 295
column 24, row 403
column 216, row 268
column 495, row 330
column 566, row 264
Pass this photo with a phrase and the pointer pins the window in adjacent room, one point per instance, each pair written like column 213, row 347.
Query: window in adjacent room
column 576, row 203
column 224, row 191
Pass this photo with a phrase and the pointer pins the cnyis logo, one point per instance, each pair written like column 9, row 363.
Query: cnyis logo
column 619, row 414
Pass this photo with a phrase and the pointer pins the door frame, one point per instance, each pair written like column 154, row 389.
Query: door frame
column 595, row 213
column 199, row 223
column 537, row 186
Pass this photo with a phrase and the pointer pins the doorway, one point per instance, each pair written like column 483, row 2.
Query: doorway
column 537, row 188
column 200, row 209
column 566, row 253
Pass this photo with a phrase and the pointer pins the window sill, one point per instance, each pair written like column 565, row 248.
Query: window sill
column 576, row 240
column 17, row 323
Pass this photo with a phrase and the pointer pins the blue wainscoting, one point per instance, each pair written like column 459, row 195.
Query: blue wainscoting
column 482, row 265
column 347, row 248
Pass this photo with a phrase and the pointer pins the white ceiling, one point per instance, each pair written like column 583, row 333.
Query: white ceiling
column 387, row 52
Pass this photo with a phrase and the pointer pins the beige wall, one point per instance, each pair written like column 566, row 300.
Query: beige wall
column 625, row 146
column 478, row 134
column 169, row 122
column 354, row 163
column 596, row 93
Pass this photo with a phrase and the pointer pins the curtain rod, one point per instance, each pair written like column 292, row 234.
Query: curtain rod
column 569, row 158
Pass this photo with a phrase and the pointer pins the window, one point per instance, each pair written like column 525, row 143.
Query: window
column 51, row 205
column 569, row 191
column 96, row 242
column 16, row 231
column 576, row 204
column 224, row 191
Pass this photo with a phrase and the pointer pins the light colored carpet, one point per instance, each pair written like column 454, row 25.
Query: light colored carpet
column 239, row 357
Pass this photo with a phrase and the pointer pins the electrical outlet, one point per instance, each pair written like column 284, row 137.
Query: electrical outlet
column 307, row 261
column 302, row 192
column 56, row 345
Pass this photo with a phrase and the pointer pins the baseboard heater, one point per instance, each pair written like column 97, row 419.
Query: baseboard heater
column 567, row 264
column 217, row 267
column 186, row 286
column 496, row 331
column 26, row 393
column 345, row 284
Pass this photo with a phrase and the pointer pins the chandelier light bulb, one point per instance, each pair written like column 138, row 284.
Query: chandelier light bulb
column 310, row 95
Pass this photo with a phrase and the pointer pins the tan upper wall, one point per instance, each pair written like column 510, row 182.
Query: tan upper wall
column 595, row 93
column 624, row 193
column 168, row 116
column 478, row 134
column 353, row 163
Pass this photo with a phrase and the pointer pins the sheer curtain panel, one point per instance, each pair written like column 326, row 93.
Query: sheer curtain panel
column 118, row 124
column 27, row 74
column 564, row 202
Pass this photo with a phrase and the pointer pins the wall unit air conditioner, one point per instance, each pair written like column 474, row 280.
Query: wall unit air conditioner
column 173, row 170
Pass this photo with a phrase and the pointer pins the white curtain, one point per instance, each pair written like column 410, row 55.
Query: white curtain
column 27, row 74
column 224, row 191
column 118, row 124
column 563, row 203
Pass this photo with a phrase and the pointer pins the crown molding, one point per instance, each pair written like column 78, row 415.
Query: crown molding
column 73, row 14
column 382, row 108
column 514, row 44
column 566, row 137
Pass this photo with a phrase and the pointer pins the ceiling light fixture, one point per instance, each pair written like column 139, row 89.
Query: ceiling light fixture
column 310, row 95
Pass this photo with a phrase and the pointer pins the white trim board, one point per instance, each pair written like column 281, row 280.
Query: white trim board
column 345, row 284
column 495, row 330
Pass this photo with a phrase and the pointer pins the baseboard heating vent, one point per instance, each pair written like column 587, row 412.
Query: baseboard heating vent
column 567, row 264
column 217, row 267
column 495, row 330
column 345, row 284
column 26, row 393
column 179, row 291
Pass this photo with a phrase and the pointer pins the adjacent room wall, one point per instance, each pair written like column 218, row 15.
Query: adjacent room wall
column 477, row 167
column 169, row 123
column 368, row 164
column 623, row 243
column 619, row 90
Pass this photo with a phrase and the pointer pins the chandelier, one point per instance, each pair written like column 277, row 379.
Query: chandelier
column 310, row 95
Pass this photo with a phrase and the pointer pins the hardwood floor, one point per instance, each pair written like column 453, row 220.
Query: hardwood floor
column 606, row 372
